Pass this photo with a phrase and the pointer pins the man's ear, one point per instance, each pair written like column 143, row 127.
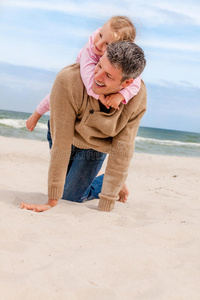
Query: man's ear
column 127, row 82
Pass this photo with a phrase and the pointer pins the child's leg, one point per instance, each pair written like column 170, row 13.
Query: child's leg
column 32, row 121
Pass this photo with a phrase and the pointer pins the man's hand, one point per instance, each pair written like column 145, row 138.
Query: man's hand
column 39, row 207
column 114, row 100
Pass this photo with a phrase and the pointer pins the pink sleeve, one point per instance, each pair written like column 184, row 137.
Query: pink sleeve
column 88, row 61
column 79, row 56
column 43, row 107
column 132, row 90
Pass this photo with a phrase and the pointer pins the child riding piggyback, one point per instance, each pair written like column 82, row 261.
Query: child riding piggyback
column 118, row 28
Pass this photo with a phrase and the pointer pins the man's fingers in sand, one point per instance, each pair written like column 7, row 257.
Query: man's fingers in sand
column 40, row 208
column 27, row 206
column 35, row 207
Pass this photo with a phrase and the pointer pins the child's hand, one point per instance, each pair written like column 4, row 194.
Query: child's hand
column 114, row 100
column 102, row 98
column 32, row 121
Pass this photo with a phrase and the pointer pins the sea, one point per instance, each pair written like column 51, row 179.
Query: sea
column 148, row 140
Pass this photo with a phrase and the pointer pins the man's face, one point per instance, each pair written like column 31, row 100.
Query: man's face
column 107, row 79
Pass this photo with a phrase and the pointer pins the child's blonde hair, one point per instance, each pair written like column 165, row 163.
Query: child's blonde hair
column 123, row 29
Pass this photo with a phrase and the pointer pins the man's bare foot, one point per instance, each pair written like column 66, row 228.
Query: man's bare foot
column 123, row 194
column 99, row 174
column 32, row 121
column 39, row 207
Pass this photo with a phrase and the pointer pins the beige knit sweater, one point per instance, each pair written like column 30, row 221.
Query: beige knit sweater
column 75, row 118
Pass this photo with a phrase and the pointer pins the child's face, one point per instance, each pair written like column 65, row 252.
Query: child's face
column 102, row 39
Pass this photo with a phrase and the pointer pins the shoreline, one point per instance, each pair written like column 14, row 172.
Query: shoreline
column 147, row 248
column 135, row 152
column 18, row 151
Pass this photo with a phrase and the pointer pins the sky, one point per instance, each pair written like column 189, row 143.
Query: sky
column 39, row 38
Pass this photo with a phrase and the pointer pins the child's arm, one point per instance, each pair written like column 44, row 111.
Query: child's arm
column 88, row 61
column 113, row 100
column 132, row 90
column 124, row 95
column 43, row 106
column 41, row 109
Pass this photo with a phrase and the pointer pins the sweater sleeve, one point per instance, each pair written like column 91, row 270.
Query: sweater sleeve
column 132, row 90
column 119, row 159
column 63, row 111
column 43, row 106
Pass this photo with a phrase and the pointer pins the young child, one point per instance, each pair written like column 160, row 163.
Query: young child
column 116, row 29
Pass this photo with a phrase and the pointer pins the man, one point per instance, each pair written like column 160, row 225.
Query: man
column 83, row 130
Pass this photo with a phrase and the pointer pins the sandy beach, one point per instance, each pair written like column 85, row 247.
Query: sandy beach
column 146, row 249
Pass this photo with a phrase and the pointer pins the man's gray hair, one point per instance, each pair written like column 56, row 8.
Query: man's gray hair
column 127, row 57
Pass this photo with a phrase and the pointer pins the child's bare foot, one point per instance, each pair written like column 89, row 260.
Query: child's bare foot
column 32, row 121
column 123, row 194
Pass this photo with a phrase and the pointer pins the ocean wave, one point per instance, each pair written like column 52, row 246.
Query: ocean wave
column 41, row 126
column 20, row 123
column 167, row 142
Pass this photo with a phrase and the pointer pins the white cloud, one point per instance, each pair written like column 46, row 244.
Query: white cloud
column 152, row 14
column 171, row 45
column 187, row 9
column 91, row 9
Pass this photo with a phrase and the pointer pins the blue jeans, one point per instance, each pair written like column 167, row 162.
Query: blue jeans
column 81, row 183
